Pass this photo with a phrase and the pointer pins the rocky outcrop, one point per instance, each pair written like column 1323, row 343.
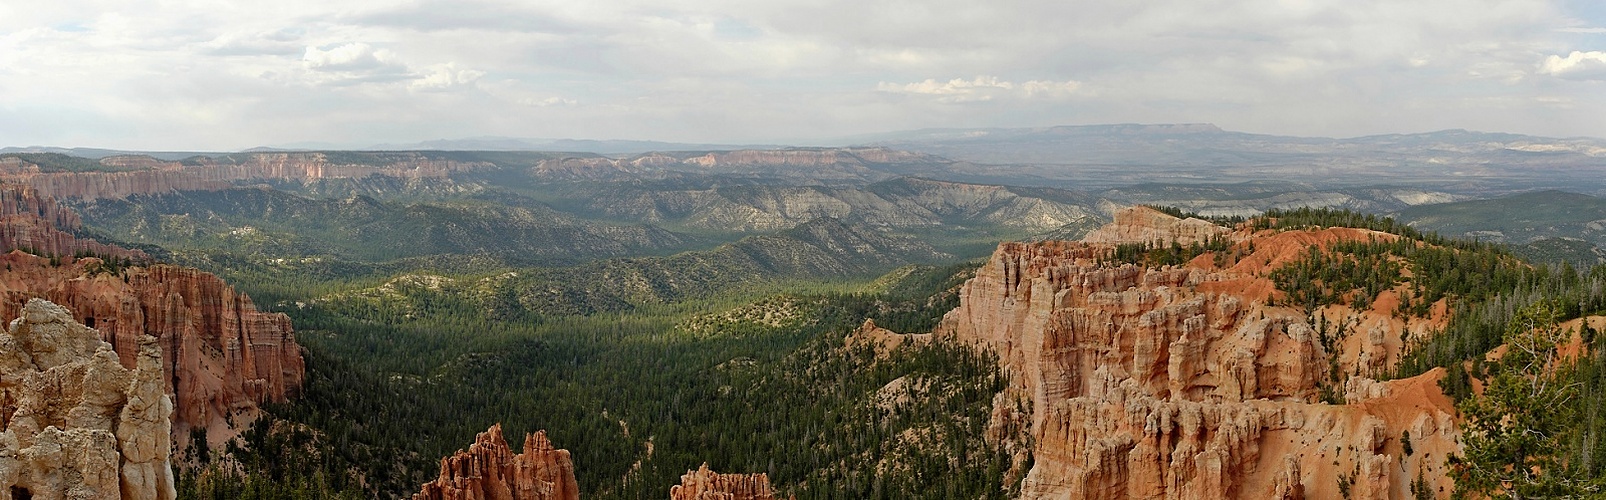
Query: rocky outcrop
column 221, row 358
column 1146, row 225
column 489, row 470
column 77, row 423
column 1180, row 382
column 705, row 484
column 152, row 176
column 881, row 340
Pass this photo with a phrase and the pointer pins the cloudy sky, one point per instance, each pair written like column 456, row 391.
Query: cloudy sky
column 190, row 74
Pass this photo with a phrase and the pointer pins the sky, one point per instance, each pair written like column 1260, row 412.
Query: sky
column 210, row 75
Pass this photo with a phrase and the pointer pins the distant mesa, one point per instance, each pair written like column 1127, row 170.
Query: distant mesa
column 122, row 176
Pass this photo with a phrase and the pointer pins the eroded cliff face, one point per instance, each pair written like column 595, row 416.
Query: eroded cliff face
column 705, row 484
column 1180, row 382
column 31, row 220
column 488, row 470
column 77, row 423
column 221, row 358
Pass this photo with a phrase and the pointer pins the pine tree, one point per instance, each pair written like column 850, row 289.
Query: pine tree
column 1517, row 430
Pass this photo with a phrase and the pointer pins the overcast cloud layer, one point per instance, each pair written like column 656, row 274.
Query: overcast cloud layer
column 183, row 74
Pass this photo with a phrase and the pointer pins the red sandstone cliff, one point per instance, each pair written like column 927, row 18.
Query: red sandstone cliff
column 221, row 358
column 1180, row 382
column 704, row 484
column 489, row 470
column 30, row 220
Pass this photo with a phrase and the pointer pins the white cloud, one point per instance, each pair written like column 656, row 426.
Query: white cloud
column 275, row 43
column 445, row 76
column 1050, row 89
column 983, row 88
column 353, row 63
column 348, row 57
column 550, row 101
column 1576, row 66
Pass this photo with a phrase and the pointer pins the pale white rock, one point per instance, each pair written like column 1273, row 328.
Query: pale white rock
column 77, row 425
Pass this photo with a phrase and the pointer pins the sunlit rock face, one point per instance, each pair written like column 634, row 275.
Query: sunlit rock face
column 488, row 470
column 221, row 357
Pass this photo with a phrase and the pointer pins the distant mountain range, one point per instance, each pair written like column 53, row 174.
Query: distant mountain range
column 1076, row 144
column 98, row 153
column 604, row 146
column 1115, row 155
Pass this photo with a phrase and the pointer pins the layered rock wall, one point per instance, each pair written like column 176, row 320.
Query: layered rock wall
column 155, row 176
column 36, row 222
column 488, row 470
column 77, row 423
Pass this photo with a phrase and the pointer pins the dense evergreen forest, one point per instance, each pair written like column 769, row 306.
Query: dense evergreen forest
column 638, row 398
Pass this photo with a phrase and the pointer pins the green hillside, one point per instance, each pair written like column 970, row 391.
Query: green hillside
column 1545, row 226
column 267, row 222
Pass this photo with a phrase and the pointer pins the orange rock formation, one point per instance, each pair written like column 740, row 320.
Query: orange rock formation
column 489, row 470
column 220, row 356
column 1181, row 383
column 705, row 484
